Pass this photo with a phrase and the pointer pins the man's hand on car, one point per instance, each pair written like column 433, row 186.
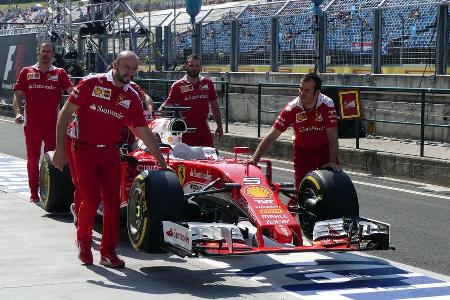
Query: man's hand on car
column 59, row 159
column 219, row 133
column 18, row 119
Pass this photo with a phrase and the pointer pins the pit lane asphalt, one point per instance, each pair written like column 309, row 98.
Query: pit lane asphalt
column 418, row 215
column 38, row 259
column 51, row 267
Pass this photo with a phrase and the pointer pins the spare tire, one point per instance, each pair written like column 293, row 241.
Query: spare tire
column 55, row 186
column 155, row 196
column 331, row 195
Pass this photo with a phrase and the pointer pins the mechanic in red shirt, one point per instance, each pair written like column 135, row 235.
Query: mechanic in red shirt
column 314, row 121
column 103, row 104
column 126, row 137
column 41, row 85
column 198, row 93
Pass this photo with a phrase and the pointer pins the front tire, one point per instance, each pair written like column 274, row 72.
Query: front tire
column 55, row 186
column 155, row 196
column 332, row 195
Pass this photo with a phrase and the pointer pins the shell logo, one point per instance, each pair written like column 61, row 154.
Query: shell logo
column 301, row 116
column 258, row 192
column 97, row 91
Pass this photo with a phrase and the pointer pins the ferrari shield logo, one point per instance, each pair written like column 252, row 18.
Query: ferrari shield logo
column 181, row 173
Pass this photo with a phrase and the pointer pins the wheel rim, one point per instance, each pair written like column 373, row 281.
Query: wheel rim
column 44, row 187
column 137, row 216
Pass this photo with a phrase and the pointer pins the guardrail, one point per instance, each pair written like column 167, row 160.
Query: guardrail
column 225, row 89
column 225, row 92
column 422, row 91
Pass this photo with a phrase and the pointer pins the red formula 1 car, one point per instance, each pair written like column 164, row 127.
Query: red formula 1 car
column 219, row 206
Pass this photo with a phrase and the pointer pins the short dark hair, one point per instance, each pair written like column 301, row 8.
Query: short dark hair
column 46, row 43
column 193, row 56
column 314, row 77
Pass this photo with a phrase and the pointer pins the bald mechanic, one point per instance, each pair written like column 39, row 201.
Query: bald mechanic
column 41, row 85
column 127, row 137
column 103, row 103
column 314, row 121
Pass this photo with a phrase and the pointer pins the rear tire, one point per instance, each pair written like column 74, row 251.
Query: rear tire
column 335, row 197
column 155, row 196
column 55, row 186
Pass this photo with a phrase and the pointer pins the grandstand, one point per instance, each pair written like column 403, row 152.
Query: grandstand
column 408, row 34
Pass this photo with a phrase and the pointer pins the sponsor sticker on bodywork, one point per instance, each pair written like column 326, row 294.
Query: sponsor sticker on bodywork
column 181, row 173
column 177, row 235
column 268, row 211
column 258, row 192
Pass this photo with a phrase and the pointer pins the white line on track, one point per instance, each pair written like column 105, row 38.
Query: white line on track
column 382, row 186
column 7, row 120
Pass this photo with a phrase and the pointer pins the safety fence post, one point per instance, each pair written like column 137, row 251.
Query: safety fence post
column 422, row 124
column 227, row 105
column 259, row 109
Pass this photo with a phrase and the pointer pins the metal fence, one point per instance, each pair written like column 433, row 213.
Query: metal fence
column 408, row 34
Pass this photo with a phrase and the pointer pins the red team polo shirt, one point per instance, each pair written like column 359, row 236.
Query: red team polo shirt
column 195, row 95
column 309, row 126
column 42, row 94
column 105, row 108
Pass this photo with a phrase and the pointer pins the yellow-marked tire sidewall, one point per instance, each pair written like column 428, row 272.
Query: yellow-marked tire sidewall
column 45, row 179
column 139, row 238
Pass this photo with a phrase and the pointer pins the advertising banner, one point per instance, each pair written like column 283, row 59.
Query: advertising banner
column 349, row 104
column 16, row 52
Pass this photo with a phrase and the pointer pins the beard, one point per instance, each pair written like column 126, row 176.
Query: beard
column 192, row 74
column 121, row 78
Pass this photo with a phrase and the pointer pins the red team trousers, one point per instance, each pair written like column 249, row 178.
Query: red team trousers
column 69, row 147
column 98, row 178
column 34, row 136
column 306, row 160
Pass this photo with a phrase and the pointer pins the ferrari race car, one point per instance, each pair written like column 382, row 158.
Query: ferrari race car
column 213, row 205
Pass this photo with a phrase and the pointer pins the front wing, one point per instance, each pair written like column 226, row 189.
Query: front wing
column 345, row 234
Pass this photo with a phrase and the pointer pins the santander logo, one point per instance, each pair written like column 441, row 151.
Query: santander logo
column 177, row 235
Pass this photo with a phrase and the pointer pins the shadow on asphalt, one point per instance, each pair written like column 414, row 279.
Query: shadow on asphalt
column 170, row 280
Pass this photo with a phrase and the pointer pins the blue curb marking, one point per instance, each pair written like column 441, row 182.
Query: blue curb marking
column 397, row 284
column 403, row 294
column 261, row 269
column 13, row 174
column 308, row 289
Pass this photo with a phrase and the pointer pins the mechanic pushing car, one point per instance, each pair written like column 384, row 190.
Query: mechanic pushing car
column 41, row 85
column 126, row 137
column 198, row 93
column 103, row 103
column 314, row 120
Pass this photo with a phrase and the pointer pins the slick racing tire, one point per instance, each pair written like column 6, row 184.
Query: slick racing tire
column 155, row 196
column 55, row 186
column 331, row 196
